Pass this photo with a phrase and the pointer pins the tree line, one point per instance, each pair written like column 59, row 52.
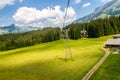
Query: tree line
column 95, row 28
column 18, row 40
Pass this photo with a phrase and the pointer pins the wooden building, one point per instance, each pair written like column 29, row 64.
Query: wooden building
column 116, row 36
column 113, row 43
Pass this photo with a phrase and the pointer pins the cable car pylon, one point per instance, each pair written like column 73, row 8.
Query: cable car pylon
column 68, row 51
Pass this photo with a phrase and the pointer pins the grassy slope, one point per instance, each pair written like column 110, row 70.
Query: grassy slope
column 46, row 61
column 109, row 70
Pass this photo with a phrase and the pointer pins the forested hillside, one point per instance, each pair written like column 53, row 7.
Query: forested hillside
column 18, row 40
column 96, row 28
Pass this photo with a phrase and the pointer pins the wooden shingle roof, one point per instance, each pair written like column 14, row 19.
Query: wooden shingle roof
column 113, row 42
column 116, row 36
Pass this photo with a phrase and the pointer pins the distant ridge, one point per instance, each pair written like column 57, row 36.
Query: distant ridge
column 110, row 9
column 15, row 29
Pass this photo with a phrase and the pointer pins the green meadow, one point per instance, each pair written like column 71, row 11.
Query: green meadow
column 47, row 61
column 109, row 70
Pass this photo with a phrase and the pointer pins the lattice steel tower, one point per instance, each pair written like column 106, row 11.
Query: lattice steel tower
column 68, row 51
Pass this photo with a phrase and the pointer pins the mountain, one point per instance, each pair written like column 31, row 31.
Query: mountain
column 14, row 29
column 28, row 28
column 9, row 29
column 110, row 9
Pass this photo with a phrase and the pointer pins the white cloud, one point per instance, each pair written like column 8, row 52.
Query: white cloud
column 47, row 17
column 4, row 3
column 21, row 1
column 86, row 4
column 106, row 0
column 77, row 1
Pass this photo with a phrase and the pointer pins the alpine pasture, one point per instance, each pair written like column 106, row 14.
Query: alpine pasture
column 109, row 70
column 46, row 61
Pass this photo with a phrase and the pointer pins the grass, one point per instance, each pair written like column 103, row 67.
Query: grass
column 109, row 70
column 46, row 61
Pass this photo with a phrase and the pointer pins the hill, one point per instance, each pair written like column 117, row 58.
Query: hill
column 15, row 29
column 110, row 9
column 18, row 40
column 46, row 61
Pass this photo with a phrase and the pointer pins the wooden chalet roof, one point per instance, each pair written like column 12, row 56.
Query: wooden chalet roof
column 113, row 42
column 117, row 35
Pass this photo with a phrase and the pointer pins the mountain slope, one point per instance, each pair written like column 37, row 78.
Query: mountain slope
column 13, row 29
column 9, row 29
column 110, row 9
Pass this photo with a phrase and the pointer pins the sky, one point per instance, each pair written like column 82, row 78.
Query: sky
column 44, row 13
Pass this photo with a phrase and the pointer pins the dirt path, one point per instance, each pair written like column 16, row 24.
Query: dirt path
column 90, row 73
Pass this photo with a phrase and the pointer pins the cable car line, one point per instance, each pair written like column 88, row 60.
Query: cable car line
column 68, row 51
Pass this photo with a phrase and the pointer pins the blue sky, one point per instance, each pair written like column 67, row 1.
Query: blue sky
column 42, row 13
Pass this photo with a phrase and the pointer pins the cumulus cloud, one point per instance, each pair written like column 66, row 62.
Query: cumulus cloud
column 43, row 18
column 106, row 0
column 4, row 3
column 21, row 1
column 86, row 4
column 77, row 1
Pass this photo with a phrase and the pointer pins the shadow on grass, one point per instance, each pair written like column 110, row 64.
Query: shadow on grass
column 25, row 50
column 65, row 59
